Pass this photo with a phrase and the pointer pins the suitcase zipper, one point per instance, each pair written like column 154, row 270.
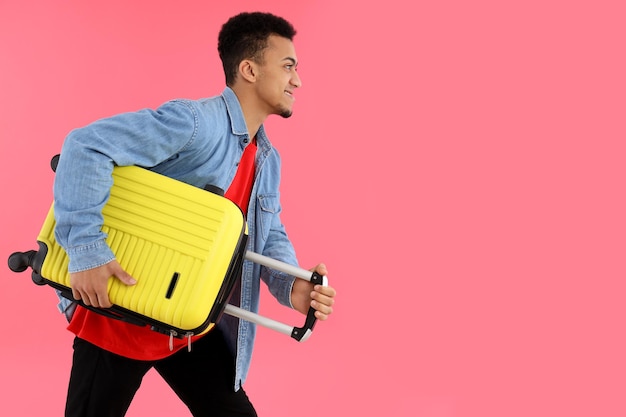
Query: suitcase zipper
column 172, row 334
column 187, row 335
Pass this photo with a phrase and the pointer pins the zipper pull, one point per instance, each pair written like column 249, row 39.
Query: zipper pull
column 189, row 334
column 172, row 334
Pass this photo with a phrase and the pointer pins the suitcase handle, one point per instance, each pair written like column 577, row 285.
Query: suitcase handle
column 298, row 333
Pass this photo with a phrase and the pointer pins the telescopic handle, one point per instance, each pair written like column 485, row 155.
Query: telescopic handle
column 298, row 333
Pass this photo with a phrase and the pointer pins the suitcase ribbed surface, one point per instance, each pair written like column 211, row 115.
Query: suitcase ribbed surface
column 177, row 240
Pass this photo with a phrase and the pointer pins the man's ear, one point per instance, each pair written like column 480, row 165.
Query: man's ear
column 248, row 70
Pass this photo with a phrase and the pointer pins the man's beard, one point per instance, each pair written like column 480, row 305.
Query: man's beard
column 284, row 111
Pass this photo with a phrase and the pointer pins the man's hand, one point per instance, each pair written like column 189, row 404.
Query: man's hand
column 91, row 285
column 304, row 295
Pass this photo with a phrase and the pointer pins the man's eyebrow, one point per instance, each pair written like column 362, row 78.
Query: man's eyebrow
column 293, row 60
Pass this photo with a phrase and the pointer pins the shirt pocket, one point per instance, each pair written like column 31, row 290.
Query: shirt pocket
column 269, row 206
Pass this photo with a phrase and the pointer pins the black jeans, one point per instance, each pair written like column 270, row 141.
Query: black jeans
column 103, row 384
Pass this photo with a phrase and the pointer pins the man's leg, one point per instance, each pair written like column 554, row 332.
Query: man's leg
column 204, row 379
column 102, row 384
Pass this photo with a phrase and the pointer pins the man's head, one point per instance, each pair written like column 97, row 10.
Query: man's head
column 245, row 36
column 260, row 63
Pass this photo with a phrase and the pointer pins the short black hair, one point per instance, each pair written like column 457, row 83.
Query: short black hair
column 245, row 36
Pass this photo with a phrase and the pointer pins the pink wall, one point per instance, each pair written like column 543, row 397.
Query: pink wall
column 458, row 165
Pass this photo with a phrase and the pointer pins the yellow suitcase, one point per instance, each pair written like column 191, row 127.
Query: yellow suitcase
column 184, row 245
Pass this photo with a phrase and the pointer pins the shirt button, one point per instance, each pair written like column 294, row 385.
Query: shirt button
column 246, row 140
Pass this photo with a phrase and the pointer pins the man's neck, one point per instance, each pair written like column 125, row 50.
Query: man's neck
column 250, row 108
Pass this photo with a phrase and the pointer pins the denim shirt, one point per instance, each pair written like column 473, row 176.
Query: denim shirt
column 195, row 141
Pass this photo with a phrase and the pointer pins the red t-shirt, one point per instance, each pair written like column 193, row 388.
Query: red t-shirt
column 142, row 343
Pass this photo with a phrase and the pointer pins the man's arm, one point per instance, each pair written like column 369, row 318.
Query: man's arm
column 83, row 177
column 83, row 181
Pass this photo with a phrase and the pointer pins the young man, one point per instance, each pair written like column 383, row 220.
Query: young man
column 219, row 141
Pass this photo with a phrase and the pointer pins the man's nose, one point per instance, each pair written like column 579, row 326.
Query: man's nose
column 296, row 80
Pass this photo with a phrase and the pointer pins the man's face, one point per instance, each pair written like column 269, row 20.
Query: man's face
column 277, row 77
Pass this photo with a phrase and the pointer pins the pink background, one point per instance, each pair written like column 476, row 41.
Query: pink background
column 459, row 165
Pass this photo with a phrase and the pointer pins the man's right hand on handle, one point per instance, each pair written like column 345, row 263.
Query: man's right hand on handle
column 90, row 285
